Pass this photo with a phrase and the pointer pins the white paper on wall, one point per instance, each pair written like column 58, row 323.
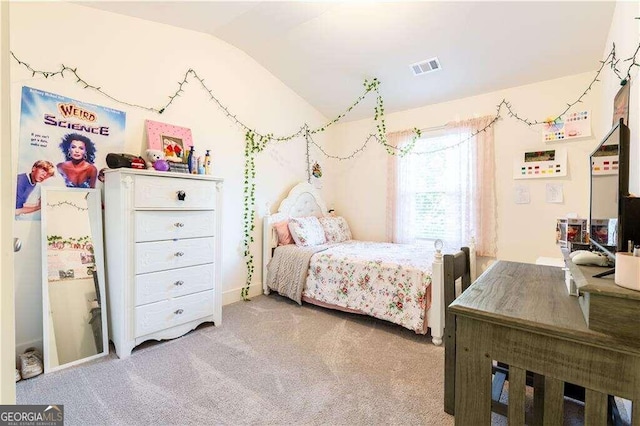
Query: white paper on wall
column 554, row 193
column 521, row 194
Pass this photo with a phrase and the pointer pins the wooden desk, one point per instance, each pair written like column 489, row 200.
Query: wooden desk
column 607, row 308
column 522, row 315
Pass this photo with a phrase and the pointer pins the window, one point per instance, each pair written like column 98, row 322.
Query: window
column 437, row 185
column 437, row 189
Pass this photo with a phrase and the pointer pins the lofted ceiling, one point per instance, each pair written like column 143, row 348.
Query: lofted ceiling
column 324, row 50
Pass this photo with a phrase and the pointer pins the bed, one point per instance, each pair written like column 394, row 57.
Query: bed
column 399, row 283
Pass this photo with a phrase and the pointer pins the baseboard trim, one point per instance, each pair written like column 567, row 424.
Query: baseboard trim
column 233, row 295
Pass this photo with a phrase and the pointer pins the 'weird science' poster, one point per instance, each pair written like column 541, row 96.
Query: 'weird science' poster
column 63, row 142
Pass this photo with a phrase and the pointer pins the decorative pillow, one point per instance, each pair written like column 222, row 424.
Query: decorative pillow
column 282, row 231
column 307, row 231
column 335, row 228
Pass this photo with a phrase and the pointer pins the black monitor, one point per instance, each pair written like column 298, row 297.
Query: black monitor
column 608, row 219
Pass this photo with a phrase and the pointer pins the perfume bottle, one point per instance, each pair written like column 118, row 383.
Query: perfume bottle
column 192, row 161
column 207, row 163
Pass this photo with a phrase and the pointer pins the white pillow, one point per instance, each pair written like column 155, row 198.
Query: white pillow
column 336, row 229
column 307, row 231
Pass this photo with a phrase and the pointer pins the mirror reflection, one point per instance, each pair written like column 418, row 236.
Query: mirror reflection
column 604, row 192
column 73, row 277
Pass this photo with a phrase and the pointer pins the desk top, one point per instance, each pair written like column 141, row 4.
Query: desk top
column 583, row 276
column 533, row 298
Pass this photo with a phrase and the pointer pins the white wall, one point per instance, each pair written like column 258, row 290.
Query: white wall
column 525, row 231
column 625, row 33
column 7, row 185
column 141, row 62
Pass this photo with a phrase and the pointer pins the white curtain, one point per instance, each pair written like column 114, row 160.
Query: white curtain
column 400, row 216
column 445, row 188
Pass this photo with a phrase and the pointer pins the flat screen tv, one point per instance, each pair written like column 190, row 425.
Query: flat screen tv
column 611, row 215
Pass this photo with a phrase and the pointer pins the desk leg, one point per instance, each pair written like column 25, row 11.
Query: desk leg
column 595, row 408
column 553, row 401
column 449, row 364
column 517, row 390
column 538, row 399
column 473, row 373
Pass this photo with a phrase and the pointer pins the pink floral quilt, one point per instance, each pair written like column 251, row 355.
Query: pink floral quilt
column 383, row 280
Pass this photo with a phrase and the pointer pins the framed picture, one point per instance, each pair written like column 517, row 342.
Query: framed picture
column 173, row 141
column 621, row 105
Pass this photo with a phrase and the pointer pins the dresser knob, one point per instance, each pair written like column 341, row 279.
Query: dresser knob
column 178, row 283
column 181, row 195
column 178, row 224
column 180, row 253
column 179, row 311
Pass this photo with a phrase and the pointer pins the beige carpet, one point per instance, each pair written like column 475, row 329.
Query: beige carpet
column 271, row 362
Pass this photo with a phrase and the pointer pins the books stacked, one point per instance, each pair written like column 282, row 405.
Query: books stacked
column 178, row 167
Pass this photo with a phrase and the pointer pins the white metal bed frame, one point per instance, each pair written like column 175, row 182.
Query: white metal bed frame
column 305, row 200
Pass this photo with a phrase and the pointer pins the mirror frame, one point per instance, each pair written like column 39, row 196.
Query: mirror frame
column 94, row 204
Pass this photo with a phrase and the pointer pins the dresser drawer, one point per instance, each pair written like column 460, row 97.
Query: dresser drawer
column 160, row 192
column 168, row 225
column 158, row 286
column 169, row 313
column 163, row 255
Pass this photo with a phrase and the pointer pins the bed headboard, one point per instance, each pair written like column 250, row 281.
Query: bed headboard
column 303, row 200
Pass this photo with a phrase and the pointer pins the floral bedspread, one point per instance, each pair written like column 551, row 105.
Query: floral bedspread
column 383, row 280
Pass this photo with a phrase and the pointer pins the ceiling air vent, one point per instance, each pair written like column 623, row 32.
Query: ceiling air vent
column 424, row 67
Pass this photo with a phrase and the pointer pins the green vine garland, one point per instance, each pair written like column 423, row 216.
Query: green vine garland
column 256, row 142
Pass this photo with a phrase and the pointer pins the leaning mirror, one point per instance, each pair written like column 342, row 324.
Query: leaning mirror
column 74, row 315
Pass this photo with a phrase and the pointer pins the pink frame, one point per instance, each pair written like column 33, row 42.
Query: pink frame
column 157, row 132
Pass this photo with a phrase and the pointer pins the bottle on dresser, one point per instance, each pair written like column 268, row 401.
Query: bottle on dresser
column 207, row 163
column 192, row 161
column 200, row 165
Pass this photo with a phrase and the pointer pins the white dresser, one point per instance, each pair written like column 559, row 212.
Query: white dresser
column 163, row 233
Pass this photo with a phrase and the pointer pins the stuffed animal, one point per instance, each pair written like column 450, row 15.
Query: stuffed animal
column 156, row 160
column 153, row 155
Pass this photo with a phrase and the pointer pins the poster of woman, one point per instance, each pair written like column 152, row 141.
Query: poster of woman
column 63, row 142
